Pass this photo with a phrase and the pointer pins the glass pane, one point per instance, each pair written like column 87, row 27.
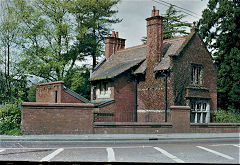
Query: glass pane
column 192, row 107
column 204, row 107
column 192, row 117
column 204, row 117
column 198, row 117
column 198, row 106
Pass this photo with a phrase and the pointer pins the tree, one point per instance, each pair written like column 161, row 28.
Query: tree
column 220, row 29
column 8, row 32
column 94, row 19
column 172, row 24
column 57, row 34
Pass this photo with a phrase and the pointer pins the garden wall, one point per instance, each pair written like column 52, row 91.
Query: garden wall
column 78, row 118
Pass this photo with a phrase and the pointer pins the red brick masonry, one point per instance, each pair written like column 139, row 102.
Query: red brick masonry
column 77, row 118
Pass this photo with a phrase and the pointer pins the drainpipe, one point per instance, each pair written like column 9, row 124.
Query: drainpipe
column 166, row 97
column 136, row 105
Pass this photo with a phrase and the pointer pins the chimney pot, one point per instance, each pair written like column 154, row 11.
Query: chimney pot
column 113, row 33
column 113, row 44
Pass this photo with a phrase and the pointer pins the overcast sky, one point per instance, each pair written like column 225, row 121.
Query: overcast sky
column 134, row 12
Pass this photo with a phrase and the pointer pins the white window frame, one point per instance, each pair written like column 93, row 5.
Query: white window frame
column 103, row 92
column 199, row 108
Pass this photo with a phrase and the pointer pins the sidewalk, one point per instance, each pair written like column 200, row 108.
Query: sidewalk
column 118, row 137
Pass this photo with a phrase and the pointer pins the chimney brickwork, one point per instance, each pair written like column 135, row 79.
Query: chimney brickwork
column 154, row 43
column 113, row 44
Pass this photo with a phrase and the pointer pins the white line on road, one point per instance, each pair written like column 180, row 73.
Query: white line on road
column 111, row 156
column 224, row 145
column 169, row 155
column 215, row 152
column 2, row 150
column 52, row 155
column 237, row 145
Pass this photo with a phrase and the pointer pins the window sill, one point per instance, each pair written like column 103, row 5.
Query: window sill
column 199, row 87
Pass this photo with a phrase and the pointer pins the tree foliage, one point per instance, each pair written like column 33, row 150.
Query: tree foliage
column 50, row 38
column 220, row 28
column 173, row 25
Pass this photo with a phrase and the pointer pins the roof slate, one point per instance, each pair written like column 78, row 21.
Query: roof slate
column 125, row 59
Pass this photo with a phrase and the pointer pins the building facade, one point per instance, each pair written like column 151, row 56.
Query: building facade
column 141, row 83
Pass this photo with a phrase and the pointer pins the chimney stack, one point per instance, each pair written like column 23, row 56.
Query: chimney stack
column 154, row 42
column 113, row 44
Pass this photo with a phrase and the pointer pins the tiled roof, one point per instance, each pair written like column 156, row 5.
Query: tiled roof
column 119, row 63
column 125, row 59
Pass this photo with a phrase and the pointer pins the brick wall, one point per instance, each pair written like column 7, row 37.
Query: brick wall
column 153, row 116
column 124, row 92
column 194, row 53
column 45, row 93
column 69, row 118
column 180, row 124
column 60, row 118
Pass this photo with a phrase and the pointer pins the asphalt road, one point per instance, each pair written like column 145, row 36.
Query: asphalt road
column 153, row 151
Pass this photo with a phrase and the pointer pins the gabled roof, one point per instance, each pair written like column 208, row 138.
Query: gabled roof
column 125, row 59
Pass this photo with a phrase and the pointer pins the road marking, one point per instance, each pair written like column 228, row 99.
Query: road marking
column 52, row 155
column 169, row 155
column 238, row 145
column 215, row 152
column 111, row 156
column 2, row 150
column 225, row 145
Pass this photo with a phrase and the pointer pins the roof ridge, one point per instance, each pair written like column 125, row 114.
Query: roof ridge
column 133, row 47
column 175, row 38
column 144, row 45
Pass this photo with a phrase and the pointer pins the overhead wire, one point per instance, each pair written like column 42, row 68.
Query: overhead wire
column 168, row 4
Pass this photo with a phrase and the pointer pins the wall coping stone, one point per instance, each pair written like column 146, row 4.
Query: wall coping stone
column 50, row 83
column 216, row 124
column 180, row 108
column 39, row 104
column 131, row 124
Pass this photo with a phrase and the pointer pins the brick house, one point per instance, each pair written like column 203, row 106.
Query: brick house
column 140, row 83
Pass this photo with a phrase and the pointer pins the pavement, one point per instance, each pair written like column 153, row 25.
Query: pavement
column 118, row 137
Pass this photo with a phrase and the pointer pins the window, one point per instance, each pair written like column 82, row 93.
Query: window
column 55, row 96
column 103, row 87
column 103, row 90
column 196, row 75
column 199, row 111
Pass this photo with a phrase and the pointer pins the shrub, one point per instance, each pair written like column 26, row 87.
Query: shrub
column 10, row 119
column 223, row 116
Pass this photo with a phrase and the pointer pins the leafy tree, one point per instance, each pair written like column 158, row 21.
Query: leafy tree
column 8, row 32
column 220, row 28
column 55, row 35
column 94, row 19
column 172, row 24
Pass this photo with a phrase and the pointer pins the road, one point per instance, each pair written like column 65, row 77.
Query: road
column 155, row 151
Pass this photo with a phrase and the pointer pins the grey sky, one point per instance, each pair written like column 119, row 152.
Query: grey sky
column 134, row 13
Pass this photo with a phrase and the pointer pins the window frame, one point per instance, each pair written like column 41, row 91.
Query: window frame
column 196, row 75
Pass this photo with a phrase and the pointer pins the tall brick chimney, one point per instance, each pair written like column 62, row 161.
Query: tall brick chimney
column 113, row 44
column 154, row 42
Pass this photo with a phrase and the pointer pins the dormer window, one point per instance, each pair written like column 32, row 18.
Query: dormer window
column 103, row 90
column 196, row 74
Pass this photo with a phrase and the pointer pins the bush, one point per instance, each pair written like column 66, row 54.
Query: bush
column 10, row 119
column 223, row 116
